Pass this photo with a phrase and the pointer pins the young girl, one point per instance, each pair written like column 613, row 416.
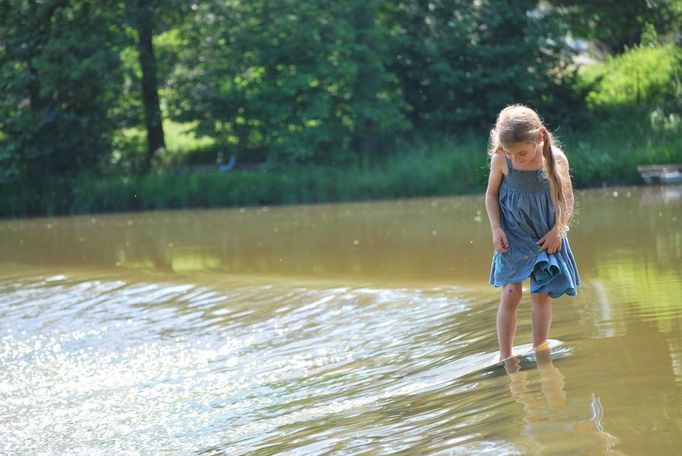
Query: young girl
column 529, row 201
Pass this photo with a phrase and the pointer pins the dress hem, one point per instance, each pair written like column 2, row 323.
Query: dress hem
column 554, row 294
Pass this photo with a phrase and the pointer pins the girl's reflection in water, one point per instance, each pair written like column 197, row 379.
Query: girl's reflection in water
column 553, row 423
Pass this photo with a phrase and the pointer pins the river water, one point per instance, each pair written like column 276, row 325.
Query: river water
column 334, row 329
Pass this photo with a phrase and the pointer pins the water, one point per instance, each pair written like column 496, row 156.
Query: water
column 343, row 329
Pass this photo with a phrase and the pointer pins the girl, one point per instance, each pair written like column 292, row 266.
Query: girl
column 529, row 201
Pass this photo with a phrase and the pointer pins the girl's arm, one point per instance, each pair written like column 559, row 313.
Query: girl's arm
column 492, row 204
column 563, row 168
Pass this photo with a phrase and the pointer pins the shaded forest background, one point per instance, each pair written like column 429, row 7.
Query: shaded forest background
column 132, row 105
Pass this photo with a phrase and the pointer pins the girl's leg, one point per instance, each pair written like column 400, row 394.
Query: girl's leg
column 541, row 317
column 506, row 318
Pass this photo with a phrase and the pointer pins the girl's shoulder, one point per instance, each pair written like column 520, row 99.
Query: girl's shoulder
column 498, row 162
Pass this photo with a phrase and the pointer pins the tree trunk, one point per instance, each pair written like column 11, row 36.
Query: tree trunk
column 150, row 95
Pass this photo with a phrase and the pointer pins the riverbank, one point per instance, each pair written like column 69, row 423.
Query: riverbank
column 449, row 166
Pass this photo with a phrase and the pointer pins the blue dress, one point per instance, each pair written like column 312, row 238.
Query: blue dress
column 527, row 214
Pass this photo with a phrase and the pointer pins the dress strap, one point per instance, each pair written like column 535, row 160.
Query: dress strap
column 509, row 164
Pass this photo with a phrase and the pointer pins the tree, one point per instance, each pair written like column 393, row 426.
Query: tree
column 59, row 76
column 142, row 18
column 460, row 61
column 618, row 25
column 142, row 21
column 294, row 80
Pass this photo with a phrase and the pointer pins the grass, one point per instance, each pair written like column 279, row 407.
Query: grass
column 179, row 137
column 610, row 155
column 607, row 155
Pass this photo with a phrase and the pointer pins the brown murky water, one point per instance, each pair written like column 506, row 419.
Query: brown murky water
column 343, row 329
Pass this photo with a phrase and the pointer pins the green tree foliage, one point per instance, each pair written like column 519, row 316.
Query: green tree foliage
column 59, row 75
column 460, row 61
column 618, row 25
column 318, row 81
column 298, row 81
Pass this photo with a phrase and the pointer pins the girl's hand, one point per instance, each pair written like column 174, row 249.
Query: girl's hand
column 500, row 240
column 550, row 241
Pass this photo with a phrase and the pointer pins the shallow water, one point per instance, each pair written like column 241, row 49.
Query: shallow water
column 345, row 329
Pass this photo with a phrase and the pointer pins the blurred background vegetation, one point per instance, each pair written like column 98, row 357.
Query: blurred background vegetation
column 153, row 104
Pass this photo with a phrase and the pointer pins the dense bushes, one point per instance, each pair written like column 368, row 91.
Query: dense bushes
column 644, row 75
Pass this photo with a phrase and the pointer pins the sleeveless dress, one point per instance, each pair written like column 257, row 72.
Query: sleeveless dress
column 527, row 214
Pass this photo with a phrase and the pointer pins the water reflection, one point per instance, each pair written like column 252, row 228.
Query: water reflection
column 658, row 195
column 442, row 240
column 553, row 423
column 402, row 240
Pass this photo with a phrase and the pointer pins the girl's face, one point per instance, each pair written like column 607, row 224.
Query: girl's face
column 523, row 153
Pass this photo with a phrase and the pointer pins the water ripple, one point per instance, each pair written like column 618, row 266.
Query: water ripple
column 116, row 366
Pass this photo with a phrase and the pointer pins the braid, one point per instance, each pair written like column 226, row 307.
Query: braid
column 556, row 184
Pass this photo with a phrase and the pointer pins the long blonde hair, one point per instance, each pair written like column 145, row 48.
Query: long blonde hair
column 520, row 124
